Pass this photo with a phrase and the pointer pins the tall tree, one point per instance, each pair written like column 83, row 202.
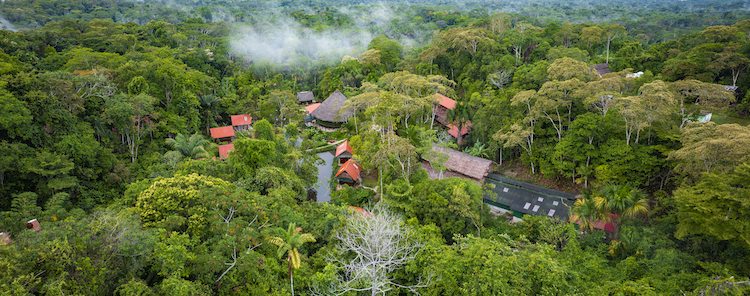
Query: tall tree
column 133, row 116
column 711, row 148
column 716, row 206
column 288, row 242
column 611, row 32
column 378, row 244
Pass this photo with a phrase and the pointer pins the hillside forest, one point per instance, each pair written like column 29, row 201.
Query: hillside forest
column 106, row 108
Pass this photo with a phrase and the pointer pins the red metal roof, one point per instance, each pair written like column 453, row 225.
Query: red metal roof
column 453, row 131
column 446, row 101
column 360, row 210
column 312, row 107
column 224, row 150
column 351, row 168
column 343, row 147
column 222, row 132
column 599, row 224
column 33, row 224
column 242, row 119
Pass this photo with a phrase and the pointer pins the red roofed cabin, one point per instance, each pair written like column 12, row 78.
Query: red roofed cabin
column 241, row 122
column 5, row 238
column 33, row 225
column 441, row 109
column 359, row 210
column 224, row 150
column 348, row 173
column 598, row 224
column 344, row 152
column 223, row 134
column 441, row 112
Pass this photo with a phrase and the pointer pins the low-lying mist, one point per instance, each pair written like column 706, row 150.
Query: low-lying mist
column 288, row 44
column 284, row 41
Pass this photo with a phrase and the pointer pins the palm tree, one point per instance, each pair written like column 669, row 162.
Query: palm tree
column 610, row 204
column 479, row 150
column 194, row 147
column 460, row 116
column 585, row 213
column 210, row 104
column 288, row 241
column 622, row 201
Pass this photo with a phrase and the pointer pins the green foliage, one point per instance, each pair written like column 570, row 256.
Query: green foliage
column 251, row 154
column 263, row 130
column 178, row 203
column 716, row 206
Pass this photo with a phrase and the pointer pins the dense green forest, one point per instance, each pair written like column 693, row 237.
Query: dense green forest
column 107, row 105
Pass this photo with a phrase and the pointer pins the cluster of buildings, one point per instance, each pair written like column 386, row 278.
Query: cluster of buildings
column 227, row 134
column 349, row 171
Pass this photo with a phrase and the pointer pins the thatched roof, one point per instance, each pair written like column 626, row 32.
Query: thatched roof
column 329, row 109
column 305, row 96
column 465, row 164
column 601, row 69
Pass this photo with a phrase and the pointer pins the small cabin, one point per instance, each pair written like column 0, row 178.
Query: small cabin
column 344, row 152
column 224, row 150
column 443, row 105
column 305, row 97
column 33, row 225
column 348, row 173
column 4, row 238
column 329, row 113
column 223, row 134
column 241, row 122
column 601, row 69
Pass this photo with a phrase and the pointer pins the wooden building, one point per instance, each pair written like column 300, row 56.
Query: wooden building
column 441, row 109
column 223, row 134
column 33, row 225
column 305, row 97
column 241, row 122
column 224, row 150
column 601, row 69
column 463, row 165
column 348, row 173
column 329, row 113
column 344, row 152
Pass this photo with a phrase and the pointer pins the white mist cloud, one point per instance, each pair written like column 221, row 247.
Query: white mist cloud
column 290, row 43
column 6, row 25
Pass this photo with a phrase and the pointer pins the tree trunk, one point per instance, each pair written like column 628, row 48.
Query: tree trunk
column 291, row 278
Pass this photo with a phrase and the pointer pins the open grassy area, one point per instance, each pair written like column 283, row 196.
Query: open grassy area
column 723, row 118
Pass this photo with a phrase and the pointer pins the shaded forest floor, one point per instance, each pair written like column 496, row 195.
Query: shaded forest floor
column 517, row 170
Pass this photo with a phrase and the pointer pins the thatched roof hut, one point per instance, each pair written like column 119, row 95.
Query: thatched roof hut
column 471, row 166
column 330, row 109
column 601, row 69
column 305, row 97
